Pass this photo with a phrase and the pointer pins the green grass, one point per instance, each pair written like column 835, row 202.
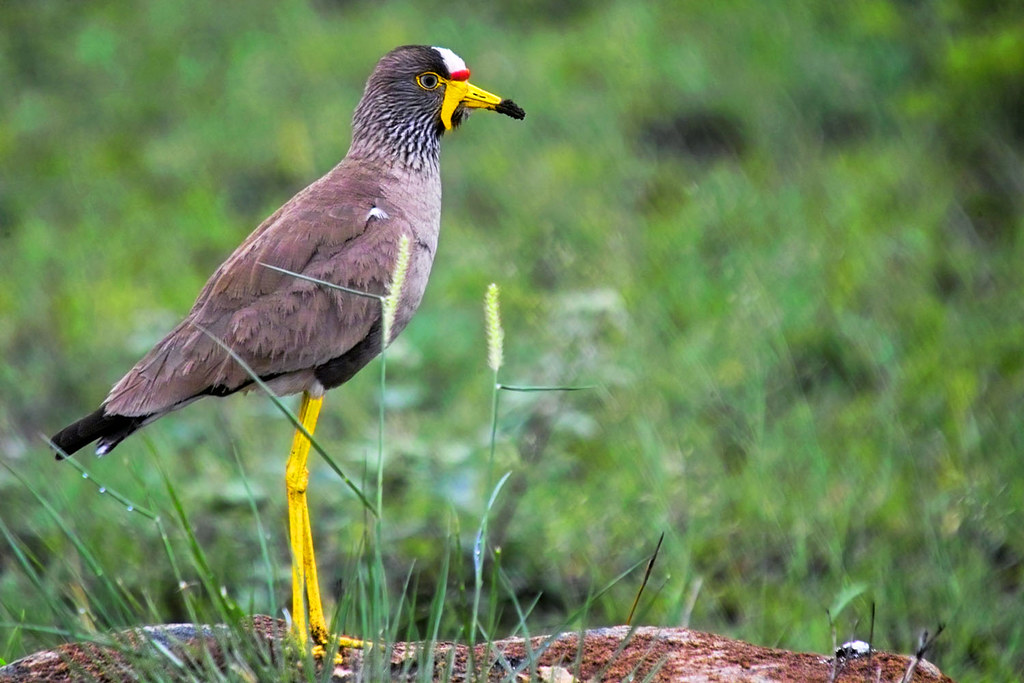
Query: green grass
column 103, row 606
column 805, row 334
column 370, row 608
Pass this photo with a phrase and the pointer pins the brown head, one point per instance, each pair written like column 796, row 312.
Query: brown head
column 414, row 95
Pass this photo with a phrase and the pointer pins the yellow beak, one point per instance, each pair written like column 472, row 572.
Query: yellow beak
column 464, row 92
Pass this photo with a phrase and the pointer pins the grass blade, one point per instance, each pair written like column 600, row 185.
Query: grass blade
column 294, row 420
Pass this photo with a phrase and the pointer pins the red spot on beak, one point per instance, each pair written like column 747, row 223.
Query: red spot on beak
column 460, row 75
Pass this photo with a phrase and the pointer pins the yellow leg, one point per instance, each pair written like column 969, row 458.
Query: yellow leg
column 304, row 579
column 297, row 479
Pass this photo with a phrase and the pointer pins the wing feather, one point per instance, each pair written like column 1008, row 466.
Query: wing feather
column 274, row 321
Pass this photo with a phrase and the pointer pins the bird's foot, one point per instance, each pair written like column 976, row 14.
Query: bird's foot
column 342, row 643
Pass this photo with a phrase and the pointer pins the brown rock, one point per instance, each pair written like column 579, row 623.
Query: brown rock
column 607, row 654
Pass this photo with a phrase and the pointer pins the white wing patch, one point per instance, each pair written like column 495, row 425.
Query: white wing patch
column 378, row 213
column 451, row 60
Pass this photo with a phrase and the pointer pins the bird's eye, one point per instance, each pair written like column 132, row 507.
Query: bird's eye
column 428, row 81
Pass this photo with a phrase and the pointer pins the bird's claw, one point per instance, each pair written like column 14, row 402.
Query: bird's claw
column 319, row 652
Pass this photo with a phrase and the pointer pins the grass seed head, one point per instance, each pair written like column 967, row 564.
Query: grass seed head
column 495, row 334
column 395, row 288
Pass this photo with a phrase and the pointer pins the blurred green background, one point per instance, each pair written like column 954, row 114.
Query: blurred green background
column 784, row 239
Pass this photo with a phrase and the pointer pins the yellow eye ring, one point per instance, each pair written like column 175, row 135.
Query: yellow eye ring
column 428, row 80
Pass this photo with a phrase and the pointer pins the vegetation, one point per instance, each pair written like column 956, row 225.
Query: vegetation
column 783, row 240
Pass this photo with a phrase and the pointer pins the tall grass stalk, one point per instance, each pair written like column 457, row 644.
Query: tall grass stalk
column 388, row 309
column 379, row 624
column 279, row 404
column 495, row 356
column 495, row 336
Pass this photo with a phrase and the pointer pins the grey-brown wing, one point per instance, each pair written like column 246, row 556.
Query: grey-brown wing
column 275, row 322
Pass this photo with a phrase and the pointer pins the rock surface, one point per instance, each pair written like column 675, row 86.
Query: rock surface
column 607, row 654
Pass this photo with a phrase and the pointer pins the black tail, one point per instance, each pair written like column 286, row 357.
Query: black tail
column 109, row 429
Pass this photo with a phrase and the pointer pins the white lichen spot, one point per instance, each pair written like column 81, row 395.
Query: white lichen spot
column 853, row 649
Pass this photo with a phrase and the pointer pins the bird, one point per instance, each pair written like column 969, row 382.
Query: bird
column 266, row 310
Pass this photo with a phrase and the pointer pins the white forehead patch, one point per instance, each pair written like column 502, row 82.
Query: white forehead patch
column 451, row 60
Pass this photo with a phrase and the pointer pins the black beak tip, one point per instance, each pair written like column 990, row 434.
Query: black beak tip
column 510, row 108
